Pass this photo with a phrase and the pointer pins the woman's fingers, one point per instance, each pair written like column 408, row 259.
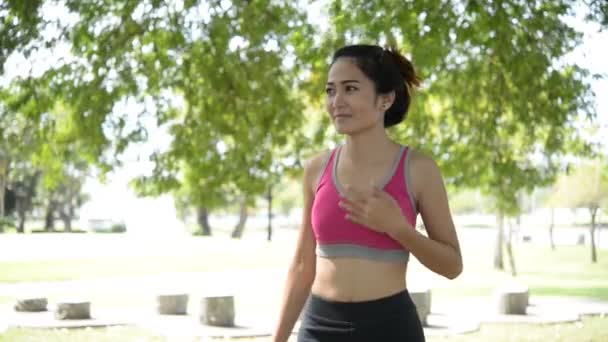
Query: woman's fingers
column 351, row 206
column 356, row 219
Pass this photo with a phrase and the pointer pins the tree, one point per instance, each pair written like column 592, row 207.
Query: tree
column 19, row 140
column 236, row 129
column 585, row 187
column 184, row 199
column 222, row 77
column 19, row 27
column 41, row 149
column 598, row 11
column 3, row 175
column 24, row 186
column 63, row 196
column 223, row 83
column 269, row 198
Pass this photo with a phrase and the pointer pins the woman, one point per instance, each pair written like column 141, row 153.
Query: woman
column 361, row 201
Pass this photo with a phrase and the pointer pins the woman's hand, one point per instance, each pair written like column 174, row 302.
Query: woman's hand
column 375, row 209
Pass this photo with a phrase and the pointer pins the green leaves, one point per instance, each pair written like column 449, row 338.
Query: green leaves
column 19, row 26
column 239, row 118
column 598, row 11
column 585, row 187
column 238, row 86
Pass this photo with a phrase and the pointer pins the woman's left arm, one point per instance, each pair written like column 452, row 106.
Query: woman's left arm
column 377, row 210
column 440, row 251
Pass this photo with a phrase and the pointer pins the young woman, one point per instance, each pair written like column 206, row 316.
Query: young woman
column 361, row 201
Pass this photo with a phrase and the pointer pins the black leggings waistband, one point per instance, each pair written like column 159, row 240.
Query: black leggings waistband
column 388, row 319
column 355, row 311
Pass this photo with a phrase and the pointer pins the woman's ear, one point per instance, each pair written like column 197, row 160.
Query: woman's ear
column 387, row 100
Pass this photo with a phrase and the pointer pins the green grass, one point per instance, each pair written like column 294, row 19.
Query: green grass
column 208, row 255
column 11, row 272
column 589, row 329
column 567, row 271
column 78, row 335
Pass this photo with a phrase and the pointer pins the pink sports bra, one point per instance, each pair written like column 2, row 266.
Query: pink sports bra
column 338, row 237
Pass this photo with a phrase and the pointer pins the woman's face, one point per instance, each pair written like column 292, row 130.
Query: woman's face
column 351, row 99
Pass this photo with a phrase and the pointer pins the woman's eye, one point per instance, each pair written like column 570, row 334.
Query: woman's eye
column 329, row 91
column 351, row 88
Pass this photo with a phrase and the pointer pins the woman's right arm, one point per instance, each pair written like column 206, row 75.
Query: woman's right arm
column 302, row 270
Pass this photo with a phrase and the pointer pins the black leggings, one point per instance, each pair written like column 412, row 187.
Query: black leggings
column 387, row 319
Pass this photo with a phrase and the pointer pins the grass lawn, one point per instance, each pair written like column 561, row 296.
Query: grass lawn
column 79, row 335
column 53, row 270
column 197, row 254
column 567, row 271
column 590, row 329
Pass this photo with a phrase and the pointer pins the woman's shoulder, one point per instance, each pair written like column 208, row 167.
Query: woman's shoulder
column 318, row 160
column 314, row 166
column 422, row 169
column 420, row 159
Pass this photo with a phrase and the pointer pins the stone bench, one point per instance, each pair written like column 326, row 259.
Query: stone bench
column 172, row 304
column 217, row 311
column 31, row 304
column 72, row 310
column 512, row 299
column 422, row 300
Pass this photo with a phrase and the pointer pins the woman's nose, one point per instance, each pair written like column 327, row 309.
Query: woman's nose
column 338, row 99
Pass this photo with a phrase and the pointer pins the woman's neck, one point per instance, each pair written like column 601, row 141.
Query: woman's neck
column 369, row 147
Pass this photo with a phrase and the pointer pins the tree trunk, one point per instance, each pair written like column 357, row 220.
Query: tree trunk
column 21, row 225
column 551, row 226
column 270, row 213
column 5, row 168
column 69, row 204
column 592, row 233
column 49, row 217
column 67, row 221
column 203, row 221
column 598, row 222
column 3, row 174
column 21, row 207
column 509, row 248
column 25, row 192
column 498, row 260
column 237, row 233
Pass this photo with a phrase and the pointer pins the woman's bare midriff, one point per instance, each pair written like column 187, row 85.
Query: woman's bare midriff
column 356, row 280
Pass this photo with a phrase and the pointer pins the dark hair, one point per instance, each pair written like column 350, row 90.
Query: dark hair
column 390, row 71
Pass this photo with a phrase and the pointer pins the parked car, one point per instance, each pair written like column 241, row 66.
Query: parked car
column 106, row 226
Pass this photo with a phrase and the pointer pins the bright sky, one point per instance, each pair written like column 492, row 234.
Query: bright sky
column 593, row 54
column 115, row 200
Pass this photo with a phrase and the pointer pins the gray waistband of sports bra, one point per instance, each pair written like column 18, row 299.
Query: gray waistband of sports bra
column 357, row 251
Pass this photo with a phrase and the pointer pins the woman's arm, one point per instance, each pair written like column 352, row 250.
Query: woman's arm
column 302, row 270
column 440, row 251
